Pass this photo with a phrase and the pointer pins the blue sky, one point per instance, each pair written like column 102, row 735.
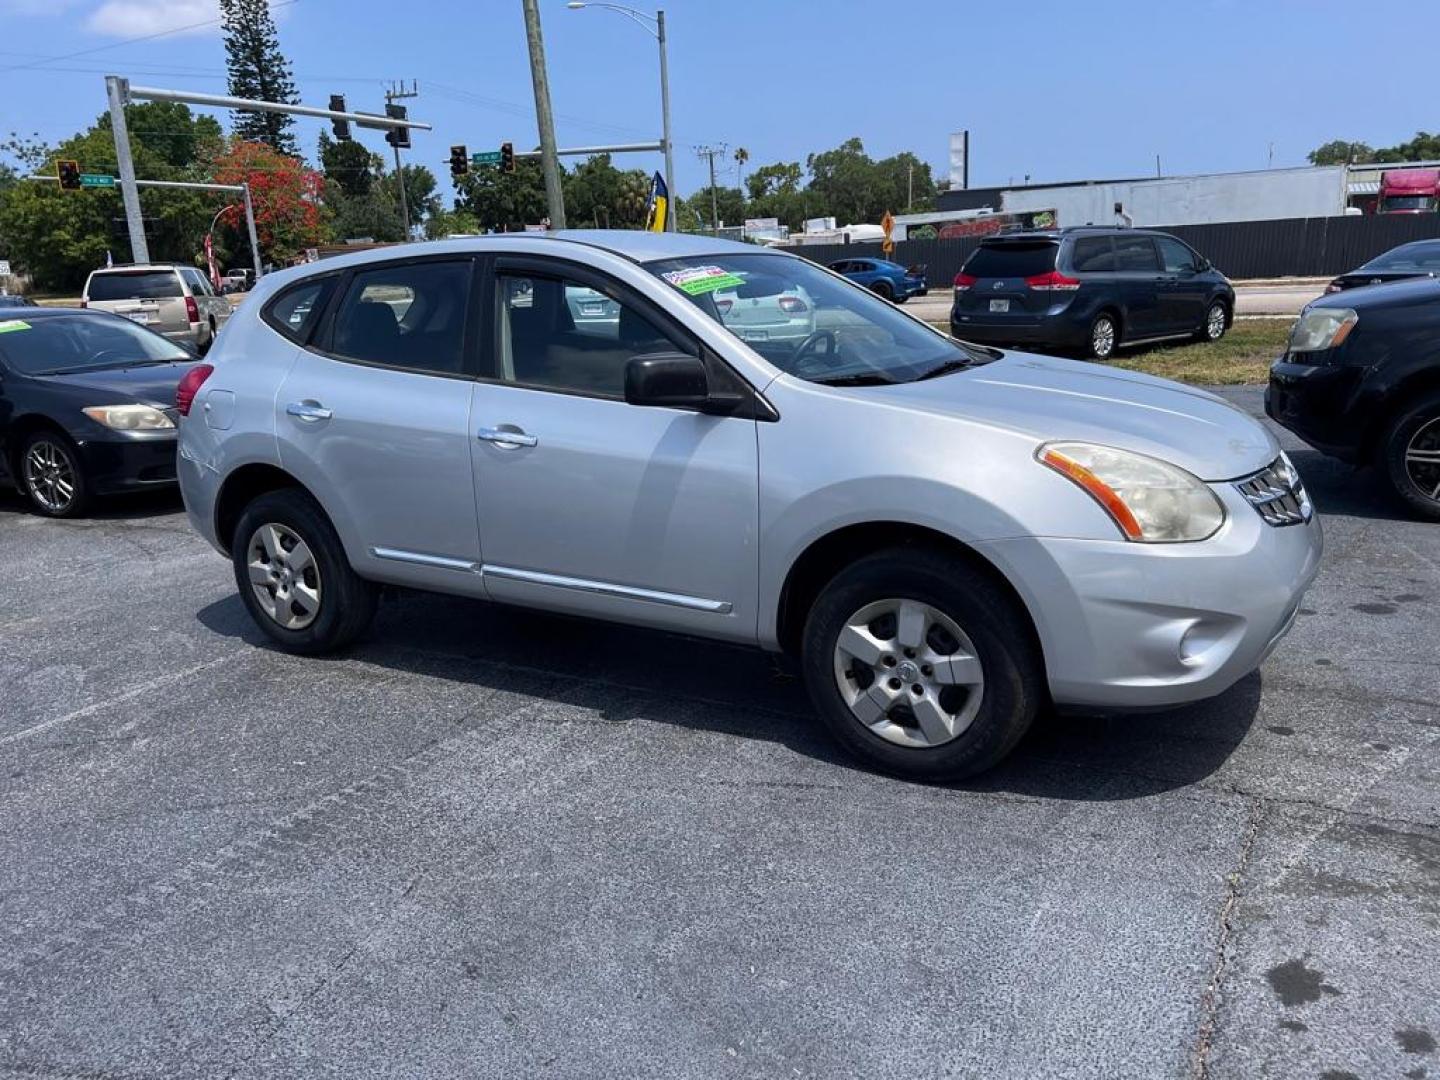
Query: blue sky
column 1055, row 90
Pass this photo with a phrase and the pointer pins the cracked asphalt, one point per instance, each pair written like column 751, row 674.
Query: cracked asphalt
column 496, row 844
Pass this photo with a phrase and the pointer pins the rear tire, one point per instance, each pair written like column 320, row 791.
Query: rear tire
column 1410, row 455
column 949, row 704
column 883, row 290
column 50, row 473
column 294, row 577
column 1104, row 337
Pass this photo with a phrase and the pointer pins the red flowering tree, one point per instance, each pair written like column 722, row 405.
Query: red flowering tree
column 286, row 195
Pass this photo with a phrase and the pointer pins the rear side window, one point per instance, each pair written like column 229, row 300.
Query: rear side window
column 1020, row 260
column 296, row 311
column 1093, row 254
column 1176, row 256
column 1135, row 253
column 406, row 315
column 134, row 285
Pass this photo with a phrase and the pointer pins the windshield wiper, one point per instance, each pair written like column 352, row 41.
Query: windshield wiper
column 945, row 368
column 868, row 378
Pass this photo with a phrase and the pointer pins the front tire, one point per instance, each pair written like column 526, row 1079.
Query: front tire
column 1410, row 455
column 52, row 476
column 921, row 666
column 294, row 577
column 1104, row 337
column 1217, row 321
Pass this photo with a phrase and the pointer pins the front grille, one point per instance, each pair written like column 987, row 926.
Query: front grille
column 1277, row 494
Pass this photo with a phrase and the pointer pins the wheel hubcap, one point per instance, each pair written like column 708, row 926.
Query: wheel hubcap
column 908, row 673
column 1215, row 324
column 284, row 576
column 49, row 476
column 1104, row 337
column 1422, row 459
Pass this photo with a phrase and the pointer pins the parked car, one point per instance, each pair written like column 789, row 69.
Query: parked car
column 1360, row 381
column 1089, row 289
column 86, row 406
column 174, row 301
column 235, row 281
column 1417, row 259
column 8, row 300
column 761, row 311
column 888, row 279
column 945, row 539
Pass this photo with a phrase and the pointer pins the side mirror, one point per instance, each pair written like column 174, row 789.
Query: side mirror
column 675, row 380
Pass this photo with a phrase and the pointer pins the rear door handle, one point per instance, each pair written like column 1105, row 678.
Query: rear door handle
column 506, row 438
column 308, row 411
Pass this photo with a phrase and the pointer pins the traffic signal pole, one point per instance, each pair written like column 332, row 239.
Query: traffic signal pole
column 115, row 90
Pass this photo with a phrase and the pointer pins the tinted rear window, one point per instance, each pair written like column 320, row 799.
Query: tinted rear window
column 1011, row 260
column 151, row 285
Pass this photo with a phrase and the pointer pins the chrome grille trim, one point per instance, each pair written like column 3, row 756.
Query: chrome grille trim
column 1277, row 494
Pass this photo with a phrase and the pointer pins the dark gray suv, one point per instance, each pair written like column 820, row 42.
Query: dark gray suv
column 1089, row 289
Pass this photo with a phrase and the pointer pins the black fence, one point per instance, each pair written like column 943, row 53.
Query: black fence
column 1292, row 247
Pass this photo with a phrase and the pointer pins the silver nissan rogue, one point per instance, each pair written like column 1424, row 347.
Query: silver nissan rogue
column 947, row 537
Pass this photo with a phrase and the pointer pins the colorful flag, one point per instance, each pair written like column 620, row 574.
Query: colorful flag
column 659, row 205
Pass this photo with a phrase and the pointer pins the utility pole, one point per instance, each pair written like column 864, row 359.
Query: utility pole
column 910, row 187
column 397, row 92
column 549, row 161
column 710, row 153
column 118, row 90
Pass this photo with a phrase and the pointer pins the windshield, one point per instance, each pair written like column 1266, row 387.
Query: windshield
column 67, row 343
column 130, row 285
column 1419, row 258
column 1391, row 203
column 810, row 323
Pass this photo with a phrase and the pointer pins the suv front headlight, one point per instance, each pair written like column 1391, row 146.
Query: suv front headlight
column 129, row 417
column 1322, row 328
column 1150, row 501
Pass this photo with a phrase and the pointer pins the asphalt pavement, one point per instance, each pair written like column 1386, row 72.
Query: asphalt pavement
column 496, row 844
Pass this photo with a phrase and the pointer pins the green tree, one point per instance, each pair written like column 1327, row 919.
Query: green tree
column 497, row 200
column 445, row 223
column 259, row 71
column 1341, row 152
column 1423, row 147
column 729, row 205
column 354, row 217
column 347, row 164
column 420, row 192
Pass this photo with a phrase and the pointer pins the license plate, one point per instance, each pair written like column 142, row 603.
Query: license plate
column 140, row 316
column 999, row 305
column 756, row 335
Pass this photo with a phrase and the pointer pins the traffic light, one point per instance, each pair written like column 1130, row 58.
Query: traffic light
column 69, row 174
column 340, row 127
column 459, row 161
column 507, row 157
column 397, row 137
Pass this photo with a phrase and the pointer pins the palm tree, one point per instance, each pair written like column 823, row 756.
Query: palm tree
column 741, row 157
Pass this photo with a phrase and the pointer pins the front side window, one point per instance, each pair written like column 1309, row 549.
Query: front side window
column 1135, row 253
column 812, row 325
column 1175, row 256
column 134, row 285
column 406, row 315
column 80, row 342
column 562, row 335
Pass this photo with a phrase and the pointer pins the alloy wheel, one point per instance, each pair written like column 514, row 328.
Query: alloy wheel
column 1422, row 459
column 1102, row 338
column 284, row 575
column 50, row 476
column 1215, row 322
column 908, row 673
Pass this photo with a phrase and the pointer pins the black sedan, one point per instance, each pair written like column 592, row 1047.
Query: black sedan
column 1420, row 259
column 1360, row 380
column 86, row 406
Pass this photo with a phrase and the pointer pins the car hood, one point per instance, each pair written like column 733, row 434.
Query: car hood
column 153, row 385
column 1052, row 399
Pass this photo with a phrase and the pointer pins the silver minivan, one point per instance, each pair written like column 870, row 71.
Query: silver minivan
column 948, row 538
column 175, row 301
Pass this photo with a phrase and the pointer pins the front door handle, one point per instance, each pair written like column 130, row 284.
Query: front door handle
column 308, row 411
column 502, row 437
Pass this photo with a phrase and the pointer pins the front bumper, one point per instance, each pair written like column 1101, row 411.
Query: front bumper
column 129, row 463
column 1313, row 400
column 1141, row 626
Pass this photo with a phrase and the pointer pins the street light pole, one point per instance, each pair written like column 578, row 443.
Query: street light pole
column 549, row 161
column 116, row 91
column 643, row 20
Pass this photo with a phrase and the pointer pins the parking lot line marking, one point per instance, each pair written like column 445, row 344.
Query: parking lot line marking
column 135, row 691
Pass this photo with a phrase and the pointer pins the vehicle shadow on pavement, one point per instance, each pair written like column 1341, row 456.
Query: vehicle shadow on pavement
column 625, row 674
column 1347, row 490
column 139, row 506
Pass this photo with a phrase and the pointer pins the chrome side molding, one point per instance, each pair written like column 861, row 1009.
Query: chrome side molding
column 605, row 588
column 419, row 558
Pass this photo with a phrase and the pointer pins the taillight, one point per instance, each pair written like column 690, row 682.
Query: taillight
column 724, row 306
column 1053, row 281
column 793, row 305
column 963, row 281
column 189, row 386
column 192, row 309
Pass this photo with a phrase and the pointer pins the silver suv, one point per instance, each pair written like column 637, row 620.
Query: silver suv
column 948, row 538
column 176, row 301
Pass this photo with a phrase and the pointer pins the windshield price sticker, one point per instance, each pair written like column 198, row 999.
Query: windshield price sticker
column 9, row 326
column 703, row 279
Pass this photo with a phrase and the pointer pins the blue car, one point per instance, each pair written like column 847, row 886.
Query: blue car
column 884, row 278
